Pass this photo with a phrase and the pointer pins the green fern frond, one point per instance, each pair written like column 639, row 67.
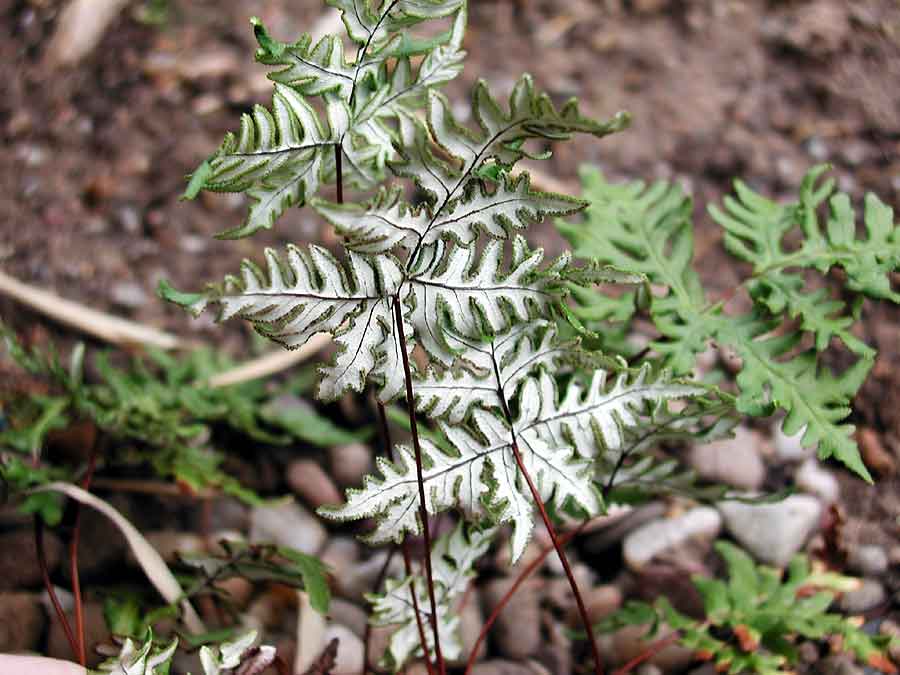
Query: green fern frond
column 453, row 558
column 754, row 619
column 648, row 230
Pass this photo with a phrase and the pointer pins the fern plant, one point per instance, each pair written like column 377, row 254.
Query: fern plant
column 506, row 416
column 781, row 339
column 753, row 620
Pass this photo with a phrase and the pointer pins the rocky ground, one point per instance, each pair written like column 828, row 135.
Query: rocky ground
column 94, row 162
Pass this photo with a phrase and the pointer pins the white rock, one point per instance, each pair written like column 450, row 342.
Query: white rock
column 815, row 479
column 864, row 598
column 790, row 448
column 648, row 541
column 733, row 461
column 870, row 561
column 287, row 524
column 773, row 533
column 350, row 650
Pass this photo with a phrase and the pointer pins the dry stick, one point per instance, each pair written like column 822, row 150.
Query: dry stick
column 598, row 663
column 73, row 561
column 423, row 511
column 45, row 575
column 523, row 575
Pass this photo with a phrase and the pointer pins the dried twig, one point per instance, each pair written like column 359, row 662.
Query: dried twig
column 109, row 328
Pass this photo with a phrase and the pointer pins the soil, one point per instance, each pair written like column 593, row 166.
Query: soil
column 95, row 156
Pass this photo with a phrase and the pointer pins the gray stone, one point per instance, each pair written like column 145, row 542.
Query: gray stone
column 349, row 463
column 869, row 595
column 287, row 524
column 18, row 559
column 870, row 561
column 838, row 664
column 733, row 461
column 350, row 650
column 348, row 614
column 630, row 642
column 790, row 448
column 816, row 480
column 601, row 601
column 659, row 536
column 517, row 631
column 95, row 632
column 312, row 484
column 773, row 533
column 498, row 667
column 128, row 294
column 22, row 622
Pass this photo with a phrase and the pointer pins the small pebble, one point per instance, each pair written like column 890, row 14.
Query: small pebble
column 656, row 537
column 773, row 533
column 348, row 614
column 350, row 650
column 312, row 484
column 838, row 664
column 870, row 561
column 869, row 595
column 22, row 622
column 517, row 631
column 814, row 479
column 498, row 667
column 874, row 454
column 349, row 463
column 128, row 294
column 733, row 461
column 601, row 601
column 287, row 524
column 790, row 448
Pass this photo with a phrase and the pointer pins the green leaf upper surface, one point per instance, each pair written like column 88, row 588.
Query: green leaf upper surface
column 757, row 618
column 648, row 230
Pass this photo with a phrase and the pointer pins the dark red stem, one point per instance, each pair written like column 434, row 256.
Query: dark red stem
column 407, row 561
column 423, row 512
column 579, row 601
column 339, row 177
column 45, row 575
column 73, row 561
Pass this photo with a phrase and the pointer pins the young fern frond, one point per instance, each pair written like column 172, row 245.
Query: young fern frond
column 281, row 158
column 649, row 231
column 453, row 558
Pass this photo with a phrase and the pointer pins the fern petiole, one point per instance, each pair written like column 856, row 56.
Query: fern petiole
column 563, row 558
column 652, row 650
column 579, row 601
column 48, row 585
column 423, row 511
